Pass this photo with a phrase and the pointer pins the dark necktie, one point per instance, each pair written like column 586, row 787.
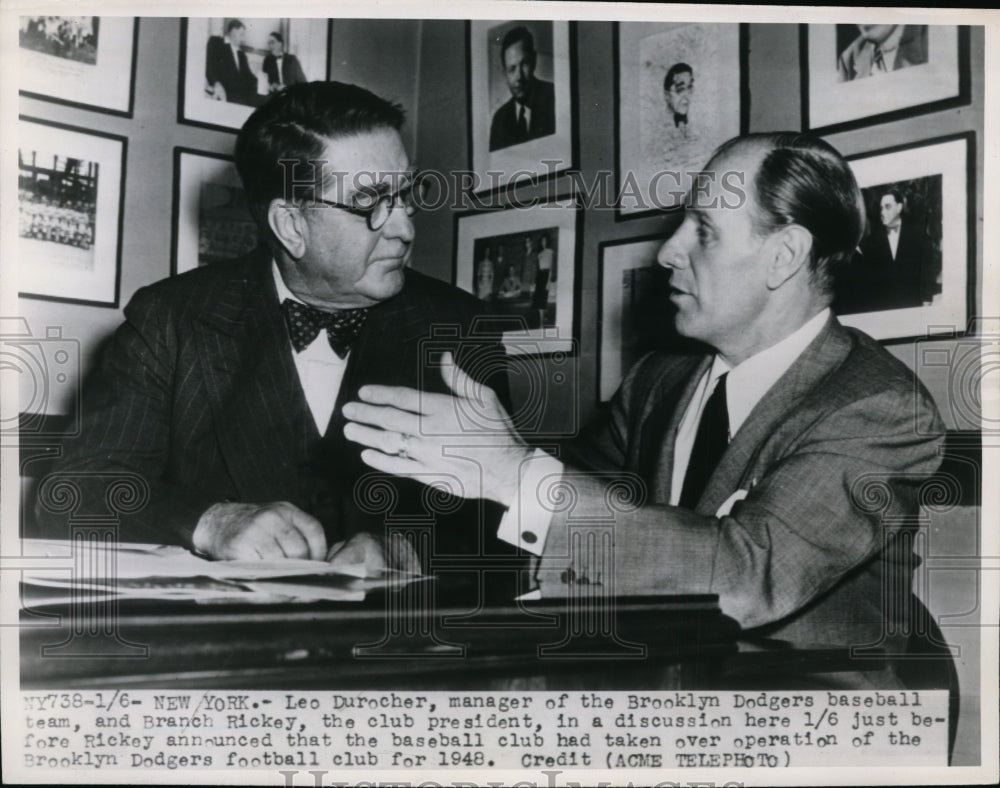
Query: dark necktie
column 710, row 444
column 522, row 121
column 680, row 118
column 878, row 59
column 305, row 322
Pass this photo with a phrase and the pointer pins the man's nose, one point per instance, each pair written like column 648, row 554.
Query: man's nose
column 674, row 252
column 399, row 225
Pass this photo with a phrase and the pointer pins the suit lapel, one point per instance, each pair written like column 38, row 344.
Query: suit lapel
column 827, row 351
column 659, row 428
column 253, row 388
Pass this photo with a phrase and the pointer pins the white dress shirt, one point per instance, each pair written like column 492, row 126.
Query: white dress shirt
column 320, row 369
column 526, row 523
column 893, row 235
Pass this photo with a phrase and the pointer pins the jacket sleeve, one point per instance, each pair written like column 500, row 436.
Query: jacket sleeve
column 125, row 432
column 820, row 509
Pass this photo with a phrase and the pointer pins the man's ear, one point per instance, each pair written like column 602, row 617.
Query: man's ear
column 792, row 250
column 289, row 226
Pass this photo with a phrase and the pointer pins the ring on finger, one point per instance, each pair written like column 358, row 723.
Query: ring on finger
column 404, row 446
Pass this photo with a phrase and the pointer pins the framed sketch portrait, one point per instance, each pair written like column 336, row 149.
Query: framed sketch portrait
column 520, row 89
column 81, row 61
column 633, row 298
column 230, row 65
column 70, row 189
column 681, row 91
column 212, row 220
column 910, row 274
column 854, row 75
column 522, row 262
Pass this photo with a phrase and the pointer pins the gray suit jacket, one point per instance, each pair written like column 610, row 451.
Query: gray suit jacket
column 831, row 458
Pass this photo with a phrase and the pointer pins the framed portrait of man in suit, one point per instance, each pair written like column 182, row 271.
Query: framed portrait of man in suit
column 910, row 273
column 80, row 61
column 212, row 220
column 681, row 92
column 70, row 199
column 229, row 65
column 857, row 74
column 520, row 100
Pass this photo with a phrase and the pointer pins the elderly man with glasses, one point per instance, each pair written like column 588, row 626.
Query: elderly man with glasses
column 223, row 388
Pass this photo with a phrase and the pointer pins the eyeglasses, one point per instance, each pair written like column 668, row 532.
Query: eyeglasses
column 381, row 206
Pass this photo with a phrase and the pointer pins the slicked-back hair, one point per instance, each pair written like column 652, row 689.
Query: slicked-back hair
column 234, row 24
column 803, row 180
column 518, row 34
column 675, row 70
column 295, row 126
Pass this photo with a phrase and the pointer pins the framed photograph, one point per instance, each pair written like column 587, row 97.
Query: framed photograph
column 212, row 220
column 681, row 90
column 855, row 75
column 230, row 65
column 520, row 101
column 632, row 300
column 911, row 271
column 71, row 185
column 82, row 61
column 522, row 262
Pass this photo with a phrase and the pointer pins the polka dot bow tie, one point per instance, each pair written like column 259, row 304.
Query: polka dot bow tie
column 305, row 322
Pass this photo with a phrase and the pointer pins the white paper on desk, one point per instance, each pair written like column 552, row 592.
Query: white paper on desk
column 173, row 573
column 144, row 560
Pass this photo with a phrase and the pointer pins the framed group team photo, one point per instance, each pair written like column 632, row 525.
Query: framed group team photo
column 522, row 263
column 81, row 61
column 70, row 187
column 681, row 91
column 857, row 74
column 230, row 65
column 520, row 100
column 212, row 220
column 910, row 274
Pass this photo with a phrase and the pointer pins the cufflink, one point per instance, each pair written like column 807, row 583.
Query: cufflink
column 529, row 537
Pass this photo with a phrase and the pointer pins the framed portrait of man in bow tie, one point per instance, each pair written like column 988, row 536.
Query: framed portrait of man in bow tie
column 857, row 74
column 681, row 91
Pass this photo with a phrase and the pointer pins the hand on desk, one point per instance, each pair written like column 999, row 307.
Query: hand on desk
column 374, row 554
column 249, row 531
column 416, row 434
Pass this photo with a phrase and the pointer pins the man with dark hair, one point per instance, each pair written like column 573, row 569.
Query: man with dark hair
column 227, row 71
column 530, row 112
column 896, row 257
column 281, row 68
column 776, row 467
column 882, row 48
column 223, row 388
column 678, row 85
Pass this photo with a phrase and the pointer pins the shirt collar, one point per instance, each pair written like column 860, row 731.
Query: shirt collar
column 750, row 380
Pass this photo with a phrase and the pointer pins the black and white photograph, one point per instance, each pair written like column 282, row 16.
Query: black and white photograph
column 631, row 307
column 212, row 221
column 232, row 64
column 365, row 420
column 86, row 61
column 521, row 119
column 910, row 270
column 69, row 210
column 858, row 74
column 522, row 264
column 680, row 96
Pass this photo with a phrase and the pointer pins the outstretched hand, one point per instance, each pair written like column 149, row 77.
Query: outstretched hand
column 466, row 435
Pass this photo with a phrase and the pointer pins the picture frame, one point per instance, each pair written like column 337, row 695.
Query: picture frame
column 206, row 51
column 85, row 62
column 924, row 285
column 211, row 219
column 500, row 152
column 699, row 59
column 627, row 305
column 844, row 87
column 523, row 263
column 71, row 187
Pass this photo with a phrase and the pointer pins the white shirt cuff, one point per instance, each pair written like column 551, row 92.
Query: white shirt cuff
column 526, row 523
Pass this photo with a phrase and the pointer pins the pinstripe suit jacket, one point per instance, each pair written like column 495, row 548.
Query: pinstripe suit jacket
column 198, row 393
column 831, row 459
